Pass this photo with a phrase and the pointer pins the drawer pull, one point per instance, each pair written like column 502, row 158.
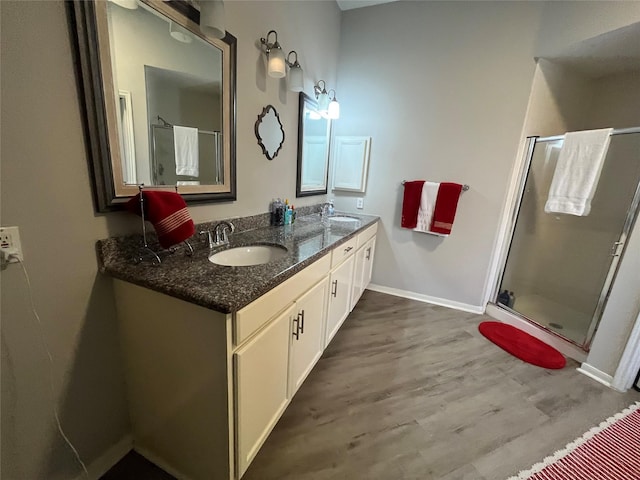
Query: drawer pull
column 301, row 323
column 369, row 253
column 348, row 249
column 334, row 290
column 297, row 329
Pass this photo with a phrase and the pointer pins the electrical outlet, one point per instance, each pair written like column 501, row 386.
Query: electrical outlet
column 360, row 203
column 10, row 243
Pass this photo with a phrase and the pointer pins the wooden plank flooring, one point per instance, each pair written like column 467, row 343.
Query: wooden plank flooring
column 407, row 390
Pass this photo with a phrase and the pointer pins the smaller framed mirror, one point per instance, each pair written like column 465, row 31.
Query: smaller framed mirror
column 269, row 132
column 314, row 133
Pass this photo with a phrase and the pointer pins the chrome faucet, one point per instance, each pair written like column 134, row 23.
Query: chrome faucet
column 219, row 236
column 324, row 212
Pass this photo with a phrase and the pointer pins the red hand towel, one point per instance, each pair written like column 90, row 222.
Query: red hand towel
column 445, row 209
column 411, row 203
column 168, row 213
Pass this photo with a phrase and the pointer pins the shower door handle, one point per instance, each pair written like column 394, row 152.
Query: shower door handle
column 615, row 249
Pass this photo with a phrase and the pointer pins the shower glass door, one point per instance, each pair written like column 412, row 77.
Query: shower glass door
column 559, row 267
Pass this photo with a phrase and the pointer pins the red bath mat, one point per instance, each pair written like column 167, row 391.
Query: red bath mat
column 522, row 345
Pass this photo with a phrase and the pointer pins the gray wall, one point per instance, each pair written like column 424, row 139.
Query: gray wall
column 442, row 87
column 46, row 192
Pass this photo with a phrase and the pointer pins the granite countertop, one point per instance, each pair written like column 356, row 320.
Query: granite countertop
column 228, row 289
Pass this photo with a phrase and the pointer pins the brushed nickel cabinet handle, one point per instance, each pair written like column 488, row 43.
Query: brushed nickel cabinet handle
column 369, row 253
column 348, row 249
column 301, row 317
column 334, row 290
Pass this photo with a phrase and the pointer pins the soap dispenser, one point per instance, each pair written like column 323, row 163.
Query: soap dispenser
column 331, row 210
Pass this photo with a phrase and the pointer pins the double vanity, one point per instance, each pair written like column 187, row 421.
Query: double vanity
column 214, row 353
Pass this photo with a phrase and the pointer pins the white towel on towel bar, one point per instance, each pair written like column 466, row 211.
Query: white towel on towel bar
column 185, row 141
column 427, row 206
column 577, row 172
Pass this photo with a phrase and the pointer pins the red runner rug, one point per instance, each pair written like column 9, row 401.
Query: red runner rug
column 522, row 345
column 610, row 451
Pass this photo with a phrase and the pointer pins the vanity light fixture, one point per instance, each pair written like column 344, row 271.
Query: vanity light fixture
column 334, row 106
column 296, row 75
column 179, row 33
column 328, row 106
column 212, row 18
column 276, row 63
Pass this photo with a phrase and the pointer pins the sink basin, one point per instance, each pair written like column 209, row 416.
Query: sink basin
column 249, row 255
column 343, row 218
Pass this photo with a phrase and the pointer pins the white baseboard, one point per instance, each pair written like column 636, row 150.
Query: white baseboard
column 594, row 373
column 443, row 302
column 566, row 348
column 160, row 463
column 108, row 459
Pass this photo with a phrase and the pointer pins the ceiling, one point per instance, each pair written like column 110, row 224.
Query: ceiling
column 611, row 53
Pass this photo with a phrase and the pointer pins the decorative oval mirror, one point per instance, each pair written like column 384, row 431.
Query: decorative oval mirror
column 313, row 149
column 269, row 132
column 160, row 100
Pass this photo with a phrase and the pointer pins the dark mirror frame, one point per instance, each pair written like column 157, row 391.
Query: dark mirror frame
column 89, row 79
column 306, row 100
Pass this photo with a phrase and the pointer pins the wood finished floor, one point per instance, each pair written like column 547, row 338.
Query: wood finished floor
column 407, row 390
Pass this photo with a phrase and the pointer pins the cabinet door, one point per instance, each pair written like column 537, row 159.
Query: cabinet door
column 363, row 270
column 307, row 327
column 261, row 368
column 339, row 297
column 368, row 258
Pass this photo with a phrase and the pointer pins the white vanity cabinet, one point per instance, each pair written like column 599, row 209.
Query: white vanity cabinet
column 206, row 388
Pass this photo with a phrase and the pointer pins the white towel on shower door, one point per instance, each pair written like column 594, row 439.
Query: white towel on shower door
column 577, row 172
column 185, row 141
column 427, row 206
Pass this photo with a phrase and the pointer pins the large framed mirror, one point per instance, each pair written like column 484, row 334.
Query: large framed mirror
column 159, row 98
column 314, row 132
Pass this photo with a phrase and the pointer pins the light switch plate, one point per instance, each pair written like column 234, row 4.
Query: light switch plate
column 360, row 203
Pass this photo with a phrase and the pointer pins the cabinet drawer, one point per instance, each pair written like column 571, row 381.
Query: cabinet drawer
column 363, row 237
column 344, row 251
column 260, row 311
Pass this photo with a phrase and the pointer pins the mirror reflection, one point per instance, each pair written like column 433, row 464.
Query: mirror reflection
column 170, row 120
column 269, row 132
column 313, row 149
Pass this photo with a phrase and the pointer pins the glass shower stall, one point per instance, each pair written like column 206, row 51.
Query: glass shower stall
column 559, row 268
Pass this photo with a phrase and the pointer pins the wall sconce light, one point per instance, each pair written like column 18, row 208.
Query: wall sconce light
column 334, row 106
column 328, row 106
column 276, row 64
column 296, row 75
column 322, row 96
column 212, row 18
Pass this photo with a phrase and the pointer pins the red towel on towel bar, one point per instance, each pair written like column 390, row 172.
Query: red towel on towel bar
column 411, row 203
column 168, row 213
column 445, row 209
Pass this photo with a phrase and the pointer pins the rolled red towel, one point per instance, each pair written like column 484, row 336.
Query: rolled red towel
column 411, row 203
column 168, row 213
column 445, row 210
